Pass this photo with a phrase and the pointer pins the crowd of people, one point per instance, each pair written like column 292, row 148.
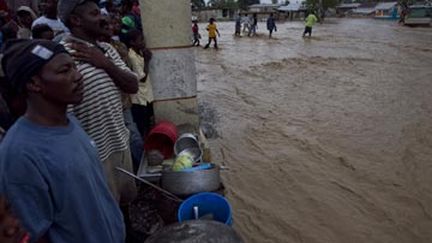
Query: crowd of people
column 75, row 104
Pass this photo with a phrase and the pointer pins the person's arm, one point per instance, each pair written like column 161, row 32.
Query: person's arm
column 148, row 55
column 217, row 31
column 29, row 194
column 124, row 79
column 136, row 66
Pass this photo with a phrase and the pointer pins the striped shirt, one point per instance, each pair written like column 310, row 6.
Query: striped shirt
column 100, row 113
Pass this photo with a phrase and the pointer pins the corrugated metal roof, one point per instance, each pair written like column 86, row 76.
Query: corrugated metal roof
column 385, row 6
column 290, row 7
column 420, row 6
column 348, row 5
column 264, row 5
column 364, row 10
column 367, row 5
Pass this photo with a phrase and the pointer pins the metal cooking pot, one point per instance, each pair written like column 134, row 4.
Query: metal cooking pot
column 184, row 183
column 196, row 231
column 188, row 142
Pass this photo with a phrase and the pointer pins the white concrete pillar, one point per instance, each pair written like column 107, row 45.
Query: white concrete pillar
column 167, row 29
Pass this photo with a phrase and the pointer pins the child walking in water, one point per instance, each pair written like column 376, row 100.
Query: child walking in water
column 271, row 25
column 254, row 25
column 310, row 20
column 196, row 35
column 212, row 31
column 238, row 26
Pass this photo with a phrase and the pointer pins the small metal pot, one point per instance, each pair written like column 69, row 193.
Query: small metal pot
column 187, row 183
column 188, row 142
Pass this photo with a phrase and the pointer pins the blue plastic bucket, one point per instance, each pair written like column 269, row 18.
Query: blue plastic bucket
column 208, row 204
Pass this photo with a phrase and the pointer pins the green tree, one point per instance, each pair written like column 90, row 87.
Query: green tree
column 243, row 4
column 231, row 4
column 216, row 3
column 226, row 4
column 198, row 3
column 314, row 5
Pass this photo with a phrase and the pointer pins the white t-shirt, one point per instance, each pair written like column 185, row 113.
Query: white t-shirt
column 56, row 25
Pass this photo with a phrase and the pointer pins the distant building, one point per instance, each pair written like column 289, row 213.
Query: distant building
column 205, row 14
column 270, row 1
column 346, row 8
column 386, row 10
column 294, row 10
column 264, row 8
column 365, row 10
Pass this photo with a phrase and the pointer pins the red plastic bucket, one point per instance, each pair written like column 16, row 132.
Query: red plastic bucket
column 162, row 138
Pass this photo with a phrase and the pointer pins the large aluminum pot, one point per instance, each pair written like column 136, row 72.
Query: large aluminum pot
column 184, row 183
column 196, row 231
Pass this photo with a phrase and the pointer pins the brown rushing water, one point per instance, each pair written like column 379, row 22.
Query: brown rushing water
column 327, row 139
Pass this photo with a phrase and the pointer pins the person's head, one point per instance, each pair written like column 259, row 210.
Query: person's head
column 11, row 230
column 212, row 20
column 134, row 39
column 82, row 16
column 25, row 16
column 271, row 14
column 50, row 8
column 255, row 15
column 44, row 71
column 108, row 30
column 127, row 6
column 116, row 24
column 128, row 24
column 246, row 15
column 42, row 31
column 136, row 8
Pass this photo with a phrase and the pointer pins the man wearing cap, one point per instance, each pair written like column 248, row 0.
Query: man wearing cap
column 105, row 76
column 50, row 18
column 26, row 16
column 13, row 5
column 49, row 168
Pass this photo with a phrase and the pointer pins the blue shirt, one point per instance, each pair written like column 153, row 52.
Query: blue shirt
column 54, row 180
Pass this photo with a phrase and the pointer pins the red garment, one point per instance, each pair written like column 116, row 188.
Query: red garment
column 25, row 239
column 136, row 9
column 3, row 5
column 4, row 8
column 195, row 28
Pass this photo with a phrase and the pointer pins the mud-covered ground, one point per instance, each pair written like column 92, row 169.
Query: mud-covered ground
column 328, row 139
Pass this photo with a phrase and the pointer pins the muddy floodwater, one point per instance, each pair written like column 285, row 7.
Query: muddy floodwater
column 328, row 139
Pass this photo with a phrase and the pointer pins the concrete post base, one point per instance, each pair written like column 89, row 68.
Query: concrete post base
column 183, row 112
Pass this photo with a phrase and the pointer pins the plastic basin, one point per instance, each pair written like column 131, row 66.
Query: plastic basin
column 208, row 203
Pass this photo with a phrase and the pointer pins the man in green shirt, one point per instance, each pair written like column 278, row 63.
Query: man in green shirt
column 310, row 20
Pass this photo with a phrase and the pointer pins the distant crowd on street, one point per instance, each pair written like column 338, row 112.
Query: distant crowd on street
column 246, row 25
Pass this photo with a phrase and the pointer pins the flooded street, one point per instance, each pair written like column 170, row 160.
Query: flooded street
column 327, row 139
